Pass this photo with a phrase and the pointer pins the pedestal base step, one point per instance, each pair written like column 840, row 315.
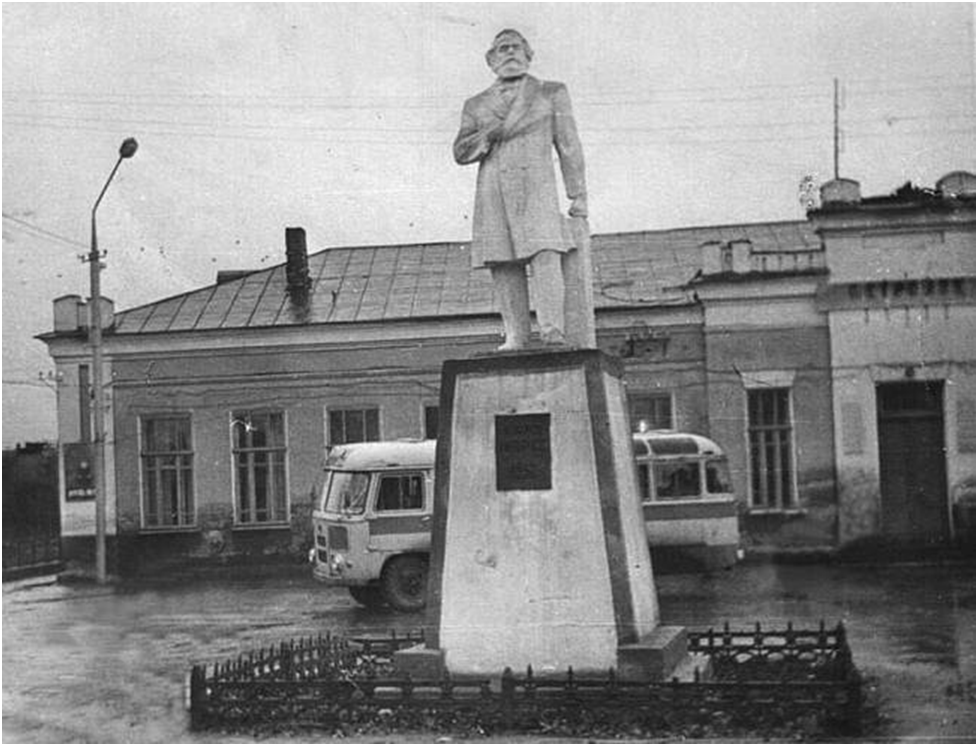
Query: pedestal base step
column 660, row 656
column 655, row 656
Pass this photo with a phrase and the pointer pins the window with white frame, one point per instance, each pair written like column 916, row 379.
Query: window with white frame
column 259, row 449
column 650, row 411
column 353, row 425
column 771, row 449
column 167, row 456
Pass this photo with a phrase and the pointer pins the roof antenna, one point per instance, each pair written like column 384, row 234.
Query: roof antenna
column 836, row 133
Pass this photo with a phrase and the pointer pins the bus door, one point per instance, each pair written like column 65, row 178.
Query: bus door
column 400, row 519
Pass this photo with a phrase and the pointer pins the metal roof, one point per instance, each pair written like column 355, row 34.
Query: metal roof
column 401, row 282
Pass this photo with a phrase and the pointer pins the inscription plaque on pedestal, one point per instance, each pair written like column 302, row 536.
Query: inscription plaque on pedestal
column 523, row 460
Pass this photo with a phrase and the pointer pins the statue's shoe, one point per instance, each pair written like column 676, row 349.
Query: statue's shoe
column 508, row 346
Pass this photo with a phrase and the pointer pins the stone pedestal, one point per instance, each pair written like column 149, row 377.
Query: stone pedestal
column 539, row 554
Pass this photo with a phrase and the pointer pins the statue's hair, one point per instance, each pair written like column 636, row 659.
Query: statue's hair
column 510, row 32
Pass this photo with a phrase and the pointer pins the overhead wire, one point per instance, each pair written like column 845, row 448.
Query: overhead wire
column 865, row 86
column 888, row 119
column 350, row 133
column 328, row 136
column 40, row 232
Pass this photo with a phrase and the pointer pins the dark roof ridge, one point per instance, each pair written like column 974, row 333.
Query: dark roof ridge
column 692, row 228
column 647, row 232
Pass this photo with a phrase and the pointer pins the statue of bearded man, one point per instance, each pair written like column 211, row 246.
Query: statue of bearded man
column 512, row 130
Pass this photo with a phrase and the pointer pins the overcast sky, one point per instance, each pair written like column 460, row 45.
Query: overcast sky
column 340, row 118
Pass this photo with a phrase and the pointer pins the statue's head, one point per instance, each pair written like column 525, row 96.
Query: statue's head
column 510, row 54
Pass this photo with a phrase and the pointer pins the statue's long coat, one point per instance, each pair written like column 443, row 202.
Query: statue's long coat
column 517, row 213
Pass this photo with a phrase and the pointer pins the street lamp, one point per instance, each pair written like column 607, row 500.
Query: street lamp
column 126, row 150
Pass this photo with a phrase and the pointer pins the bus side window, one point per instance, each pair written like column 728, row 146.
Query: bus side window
column 643, row 482
column 717, row 476
column 402, row 492
column 413, row 492
column 677, row 480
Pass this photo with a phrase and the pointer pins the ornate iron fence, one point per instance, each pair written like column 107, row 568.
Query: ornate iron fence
column 757, row 682
column 757, row 655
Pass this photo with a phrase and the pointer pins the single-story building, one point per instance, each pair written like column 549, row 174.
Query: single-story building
column 811, row 350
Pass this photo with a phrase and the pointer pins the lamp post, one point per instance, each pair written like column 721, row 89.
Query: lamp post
column 126, row 150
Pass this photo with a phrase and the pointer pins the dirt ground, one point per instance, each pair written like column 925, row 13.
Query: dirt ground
column 87, row 664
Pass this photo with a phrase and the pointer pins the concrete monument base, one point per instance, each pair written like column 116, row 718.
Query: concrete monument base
column 539, row 553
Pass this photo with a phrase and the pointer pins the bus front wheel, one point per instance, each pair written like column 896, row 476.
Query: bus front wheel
column 404, row 583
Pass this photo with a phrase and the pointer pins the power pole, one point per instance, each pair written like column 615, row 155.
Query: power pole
column 127, row 150
column 98, row 397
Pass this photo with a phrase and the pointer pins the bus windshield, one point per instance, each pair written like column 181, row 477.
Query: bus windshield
column 346, row 491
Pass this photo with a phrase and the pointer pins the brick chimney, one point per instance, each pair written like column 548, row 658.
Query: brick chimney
column 740, row 253
column 297, row 267
column 840, row 191
column 711, row 257
column 72, row 314
column 957, row 184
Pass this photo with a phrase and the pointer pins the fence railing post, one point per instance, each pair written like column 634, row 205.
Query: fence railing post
column 854, row 703
column 508, row 697
column 198, row 697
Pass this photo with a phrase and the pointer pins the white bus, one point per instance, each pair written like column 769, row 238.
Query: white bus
column 372, row 520
column 691, row 515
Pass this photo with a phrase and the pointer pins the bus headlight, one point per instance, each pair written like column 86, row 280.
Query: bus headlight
column 337, row 563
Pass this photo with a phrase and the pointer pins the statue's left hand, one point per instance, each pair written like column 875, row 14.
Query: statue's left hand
column 578, row 208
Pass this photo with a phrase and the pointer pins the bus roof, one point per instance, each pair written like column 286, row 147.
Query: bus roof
column 420, row 454
column 391, row 454
column 673, row 443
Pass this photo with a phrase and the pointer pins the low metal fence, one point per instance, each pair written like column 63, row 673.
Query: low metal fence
column 756, row 682
column 29, row 554
column 820, row 654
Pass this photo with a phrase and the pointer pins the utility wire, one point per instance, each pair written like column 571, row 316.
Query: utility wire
column 43, row 232
column 331, row 129
column 328, row 137
column 624, row 97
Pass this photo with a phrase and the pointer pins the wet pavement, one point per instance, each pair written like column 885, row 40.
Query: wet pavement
column 93, row 664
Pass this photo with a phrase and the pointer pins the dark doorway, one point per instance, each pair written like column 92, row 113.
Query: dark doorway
column 913, row 481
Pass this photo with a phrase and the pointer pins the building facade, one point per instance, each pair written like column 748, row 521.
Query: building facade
column 900, row 302
column 222, row 401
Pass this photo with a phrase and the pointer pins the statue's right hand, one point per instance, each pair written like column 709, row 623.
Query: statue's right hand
column 578, row 207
